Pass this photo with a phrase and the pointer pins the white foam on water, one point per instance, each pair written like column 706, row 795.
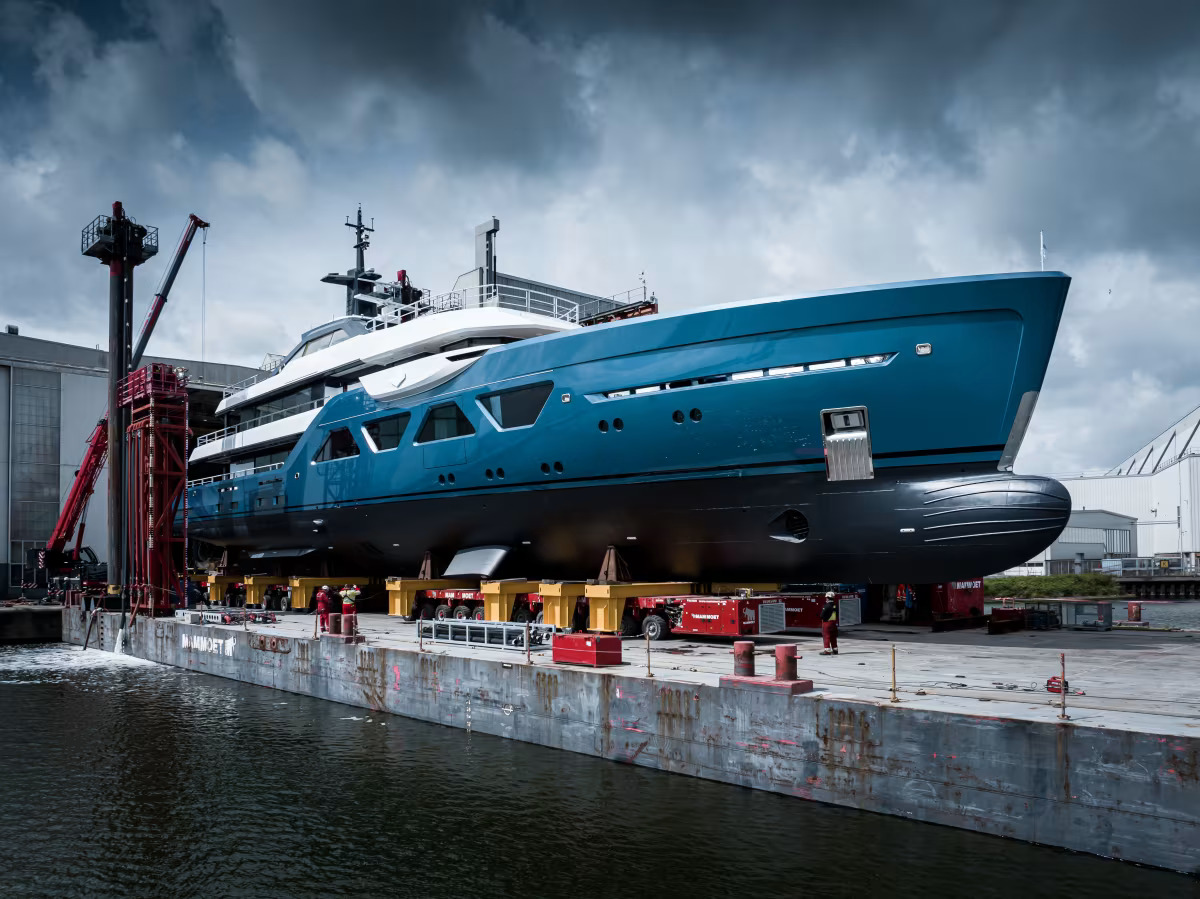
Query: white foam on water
column 60, row 658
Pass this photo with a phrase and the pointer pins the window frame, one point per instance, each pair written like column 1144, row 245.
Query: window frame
column 406, row 415
column 481, row 401
column 417, row 441
column 328, row 437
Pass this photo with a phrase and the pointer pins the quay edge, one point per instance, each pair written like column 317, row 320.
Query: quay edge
column 1099, row 790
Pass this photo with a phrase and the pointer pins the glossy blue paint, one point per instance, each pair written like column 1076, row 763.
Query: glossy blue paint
column 991, row 338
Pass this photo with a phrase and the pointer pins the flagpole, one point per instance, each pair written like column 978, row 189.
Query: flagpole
column 1042, row 248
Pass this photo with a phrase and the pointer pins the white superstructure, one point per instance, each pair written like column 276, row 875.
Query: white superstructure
column 403, row 351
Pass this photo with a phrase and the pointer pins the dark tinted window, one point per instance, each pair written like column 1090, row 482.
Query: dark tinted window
column 444, row 422
column 518, row 407
column 385, row 433
column 338, row 445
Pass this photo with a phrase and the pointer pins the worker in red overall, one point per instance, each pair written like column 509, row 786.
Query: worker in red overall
column 829, row 625
column 323, row 607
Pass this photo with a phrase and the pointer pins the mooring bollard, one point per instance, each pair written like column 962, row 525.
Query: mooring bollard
column 1062, row 703
column 785, row 662
column 349, row 624
column 895, row 698
column 335, row 622
column 743, row 658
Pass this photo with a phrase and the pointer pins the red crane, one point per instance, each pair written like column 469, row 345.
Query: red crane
column 70, row 519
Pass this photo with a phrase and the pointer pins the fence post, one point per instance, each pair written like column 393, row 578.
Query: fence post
column 895, row 698
column 1062, row 703
column 648, row 673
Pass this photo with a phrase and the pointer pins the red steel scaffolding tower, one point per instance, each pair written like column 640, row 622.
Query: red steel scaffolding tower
column 156, row 453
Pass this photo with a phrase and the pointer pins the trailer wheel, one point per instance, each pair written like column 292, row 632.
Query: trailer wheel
column 654, row 627
column 478, row 614
column 462, row 612
column 521, row 615
column 630, row 626
column 442, row 612
column 541, row 615
column 427, row 611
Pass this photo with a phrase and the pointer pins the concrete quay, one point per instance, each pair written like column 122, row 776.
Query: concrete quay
column 975, row 742
column 30, row 624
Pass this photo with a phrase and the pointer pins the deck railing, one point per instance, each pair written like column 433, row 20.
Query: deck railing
column 264, row 419
column 235, row 474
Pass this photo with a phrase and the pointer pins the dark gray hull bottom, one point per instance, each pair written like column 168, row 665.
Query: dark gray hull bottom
column 916, row 525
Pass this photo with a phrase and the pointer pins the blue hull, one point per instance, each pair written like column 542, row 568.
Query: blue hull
column 707, row 497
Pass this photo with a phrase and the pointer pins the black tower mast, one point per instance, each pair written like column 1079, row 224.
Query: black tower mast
column 360, row 279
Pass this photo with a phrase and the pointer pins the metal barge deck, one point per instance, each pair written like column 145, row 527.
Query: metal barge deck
column 975, row 741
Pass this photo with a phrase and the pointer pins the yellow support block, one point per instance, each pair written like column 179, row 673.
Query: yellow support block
column 558, row 602
column 605, row 614
column 302, row 588
column 498, row 597
column 217, row 584
column 256, row 588
column 402, row 591
column 629, row 591
column 722, row 589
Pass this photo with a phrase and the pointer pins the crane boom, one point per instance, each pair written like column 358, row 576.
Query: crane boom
column 160, row 298
column 97, row 446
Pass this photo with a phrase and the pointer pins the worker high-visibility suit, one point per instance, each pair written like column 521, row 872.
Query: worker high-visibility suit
column 829, row 627
column 323, row 609
column 349, row 597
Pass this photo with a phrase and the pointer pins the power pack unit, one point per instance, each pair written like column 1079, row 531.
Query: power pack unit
column 596, row 650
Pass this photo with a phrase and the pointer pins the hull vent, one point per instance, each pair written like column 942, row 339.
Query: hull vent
column 791, row 527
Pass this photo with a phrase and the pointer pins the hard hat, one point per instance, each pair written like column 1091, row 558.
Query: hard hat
column 326, row 587
column 829, row 595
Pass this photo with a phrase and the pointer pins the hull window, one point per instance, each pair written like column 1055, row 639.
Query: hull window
column 754, row 374
column 444, row 422
column 385, row 433
column 847, row 444
column 338, row 445
column 516, row 408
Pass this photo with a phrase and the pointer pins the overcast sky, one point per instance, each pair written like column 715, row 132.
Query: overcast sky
column 729, row 150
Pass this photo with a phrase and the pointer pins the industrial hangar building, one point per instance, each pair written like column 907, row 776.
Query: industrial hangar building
column 1144, row 512
column 51, row 396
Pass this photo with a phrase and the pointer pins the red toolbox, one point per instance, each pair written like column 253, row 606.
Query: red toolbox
column 587, row 649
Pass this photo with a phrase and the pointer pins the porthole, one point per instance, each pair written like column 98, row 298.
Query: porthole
column 603, row 426
column 490, row 474
column 677, row 416
column 618, row 424
column 441, row 479
column 696, row 416
column 558, row 467
column 450, row 478
column 500, row 473
column 545, row 468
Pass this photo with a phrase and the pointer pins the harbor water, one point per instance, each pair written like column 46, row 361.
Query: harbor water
column 126, row 778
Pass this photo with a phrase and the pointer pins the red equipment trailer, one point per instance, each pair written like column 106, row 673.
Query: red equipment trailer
column 718, row 616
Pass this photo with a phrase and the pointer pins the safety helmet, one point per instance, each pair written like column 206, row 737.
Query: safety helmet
column 326, row 587
column 829, row 595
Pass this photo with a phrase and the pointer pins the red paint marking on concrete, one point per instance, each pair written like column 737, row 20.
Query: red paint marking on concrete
column 789, row 742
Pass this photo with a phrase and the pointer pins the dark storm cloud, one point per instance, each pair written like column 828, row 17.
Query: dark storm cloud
column 444, row 75
column 730, row 149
